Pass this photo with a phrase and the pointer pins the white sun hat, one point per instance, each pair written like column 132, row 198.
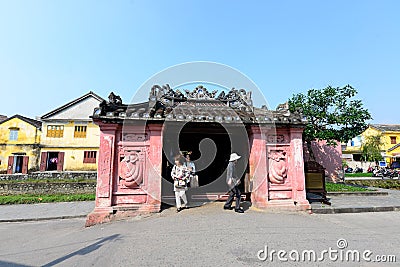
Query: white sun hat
column 234, row 157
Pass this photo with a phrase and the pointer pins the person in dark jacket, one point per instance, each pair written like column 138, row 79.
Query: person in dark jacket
column 233, row 182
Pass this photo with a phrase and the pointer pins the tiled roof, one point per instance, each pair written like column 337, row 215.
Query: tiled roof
column 386, row 127
column 33, row 122
column 234, row 107
column 2, row 118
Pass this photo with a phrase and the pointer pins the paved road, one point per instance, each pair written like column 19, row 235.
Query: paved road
column 204, row 236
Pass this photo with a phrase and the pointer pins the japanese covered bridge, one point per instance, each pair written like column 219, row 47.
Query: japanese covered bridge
column 138, row 142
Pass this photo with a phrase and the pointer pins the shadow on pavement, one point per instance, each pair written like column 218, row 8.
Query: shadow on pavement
column 12, row 264
column 245, row 205
column 84, row 251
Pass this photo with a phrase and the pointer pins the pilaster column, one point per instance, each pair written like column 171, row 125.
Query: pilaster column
column 105, row 175
column 155, row 166
column 258, row 167
column 296, row 145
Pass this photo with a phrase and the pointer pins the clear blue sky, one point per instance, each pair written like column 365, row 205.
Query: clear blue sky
column 52, row 52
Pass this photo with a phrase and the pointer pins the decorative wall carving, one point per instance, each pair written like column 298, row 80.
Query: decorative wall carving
column 131, row 170
column 134, row 137
column 276, row 139
column 277, row 166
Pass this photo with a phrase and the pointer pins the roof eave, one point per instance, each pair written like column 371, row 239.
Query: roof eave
column 71, row 103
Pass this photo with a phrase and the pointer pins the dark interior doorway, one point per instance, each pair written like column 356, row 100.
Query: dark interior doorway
column 52, row 161
column 204, row 140
column 18, row 163
column 208, row 171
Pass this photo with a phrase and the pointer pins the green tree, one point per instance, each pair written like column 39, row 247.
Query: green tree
column 332, row 113
column 371, row 148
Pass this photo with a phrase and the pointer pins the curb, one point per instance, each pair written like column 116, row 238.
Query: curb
column 367, row 193
column 354, row 210
column 43, row 219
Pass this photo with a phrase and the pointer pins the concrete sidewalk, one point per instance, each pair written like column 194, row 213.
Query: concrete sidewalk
column 343, row 203
column 369, row 178
column 381, row 200
column 45, row 211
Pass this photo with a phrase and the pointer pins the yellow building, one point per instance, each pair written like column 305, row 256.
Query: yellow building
column 19, row 144
column 390, row 139
column 70, row 140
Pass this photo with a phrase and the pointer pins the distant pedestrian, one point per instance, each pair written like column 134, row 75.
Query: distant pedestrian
column 180, row 174
column 233, row 182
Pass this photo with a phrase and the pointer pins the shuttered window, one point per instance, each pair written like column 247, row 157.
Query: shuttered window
column 80, row 131
column 55, row 131
column 89, row 156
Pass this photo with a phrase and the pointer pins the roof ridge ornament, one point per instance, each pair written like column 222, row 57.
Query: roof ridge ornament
column 200, row 105
column 158, row 92
column 240, row 99
column 284, row 109
column 164, row 96
column 200, row 92
column 113, row 104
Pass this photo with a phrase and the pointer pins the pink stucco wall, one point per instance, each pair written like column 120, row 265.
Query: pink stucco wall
column 276, row 169
column 330, row 157
column 287, row 192
column 115, row 197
